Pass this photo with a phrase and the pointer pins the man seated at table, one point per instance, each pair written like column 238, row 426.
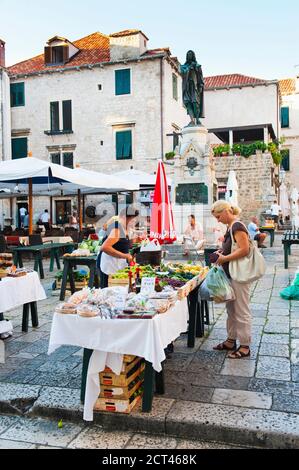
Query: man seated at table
column 254, row 232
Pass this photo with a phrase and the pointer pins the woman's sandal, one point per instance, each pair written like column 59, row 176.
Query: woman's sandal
column 238, row 354
column 223, row 346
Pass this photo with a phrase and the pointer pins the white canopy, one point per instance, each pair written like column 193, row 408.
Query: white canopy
column 139, row 177
column 284, row 200
column 294, row 194
column 50, row 177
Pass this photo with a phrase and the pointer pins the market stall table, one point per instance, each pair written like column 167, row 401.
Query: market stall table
column 105, row 341
column 25, row 290
column 37, row 251
column 70, row 263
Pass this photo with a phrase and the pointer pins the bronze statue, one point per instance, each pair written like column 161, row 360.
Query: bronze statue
column 193, row 88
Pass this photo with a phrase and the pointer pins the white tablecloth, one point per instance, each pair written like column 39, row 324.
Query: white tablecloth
column 16, row 291
column 110, row 339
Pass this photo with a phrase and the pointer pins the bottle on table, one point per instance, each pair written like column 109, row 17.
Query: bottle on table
column 137, row 280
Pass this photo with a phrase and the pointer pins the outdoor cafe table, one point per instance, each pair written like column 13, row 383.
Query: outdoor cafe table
column 70, row 263
column 37, row 251
column 106, row 341
column 271, row 232
column 23, row 290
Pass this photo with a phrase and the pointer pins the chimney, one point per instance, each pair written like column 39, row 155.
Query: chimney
column 2, row 53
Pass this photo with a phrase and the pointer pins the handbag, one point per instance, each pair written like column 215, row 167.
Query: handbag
column 250, row 267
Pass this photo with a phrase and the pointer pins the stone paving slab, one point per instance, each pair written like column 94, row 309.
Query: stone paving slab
column 273, row 368
column 15, row 397
column 97, row 438
column 276, row 350
column 42, row 431
column 242, row 398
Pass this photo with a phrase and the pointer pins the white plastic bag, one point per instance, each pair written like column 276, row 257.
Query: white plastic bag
column 219, row 285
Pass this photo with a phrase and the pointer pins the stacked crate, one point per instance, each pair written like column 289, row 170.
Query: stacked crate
column 120, row 393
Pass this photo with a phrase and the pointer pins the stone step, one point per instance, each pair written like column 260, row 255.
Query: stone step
column 178, row 418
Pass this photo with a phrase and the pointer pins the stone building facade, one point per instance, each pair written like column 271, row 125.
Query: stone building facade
column 289, row 89
column 77, row 105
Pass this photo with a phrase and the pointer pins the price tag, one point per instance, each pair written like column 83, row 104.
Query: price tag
column 147, row 285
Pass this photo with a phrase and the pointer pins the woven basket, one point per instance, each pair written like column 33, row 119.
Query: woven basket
column 149, row 257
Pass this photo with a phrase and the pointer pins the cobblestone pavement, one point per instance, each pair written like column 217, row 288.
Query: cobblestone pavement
column 202, row 385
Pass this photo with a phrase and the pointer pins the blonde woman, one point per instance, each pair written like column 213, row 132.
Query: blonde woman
column 238, row 323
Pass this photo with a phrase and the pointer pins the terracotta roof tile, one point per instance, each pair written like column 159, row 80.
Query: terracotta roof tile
column 236, row 79
column 287, row 86
column 94, row 48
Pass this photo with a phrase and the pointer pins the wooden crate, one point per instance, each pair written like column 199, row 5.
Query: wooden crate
column 116, row 406
column 128, row 363
column 117, row 282
column 120, row 393
column 78, row 285
column 124, row 379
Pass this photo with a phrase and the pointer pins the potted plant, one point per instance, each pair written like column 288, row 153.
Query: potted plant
column 225, row 150
column 236, row 149
column 260, row 147
column 169, row 155
column 217, row 150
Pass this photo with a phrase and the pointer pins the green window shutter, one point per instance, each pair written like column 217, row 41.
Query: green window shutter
column 54, row 111
column 17, row 94
column 68, row 160
column 285, row 163
column 67, row 115
column 55, row 158
column 122, row 82
column 285, row 119
column 174, row 86
column 19, row 148
column 123, row 145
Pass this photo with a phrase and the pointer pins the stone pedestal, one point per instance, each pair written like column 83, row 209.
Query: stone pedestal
column 194, row 183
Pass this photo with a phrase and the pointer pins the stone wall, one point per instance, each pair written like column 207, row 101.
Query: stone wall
column 254, row 180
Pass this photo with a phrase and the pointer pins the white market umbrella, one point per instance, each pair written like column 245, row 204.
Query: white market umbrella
column 232, row 188
column 284, row 201
column 294, row 194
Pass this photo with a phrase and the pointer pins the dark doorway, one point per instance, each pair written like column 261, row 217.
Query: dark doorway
column 63, row 211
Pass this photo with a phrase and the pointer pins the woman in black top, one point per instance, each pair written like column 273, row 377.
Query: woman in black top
column 114, row 254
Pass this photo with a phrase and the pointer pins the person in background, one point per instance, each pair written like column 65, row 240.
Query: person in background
column 23, row 212
column 114, row 254
column 193, row 235
column 255, row 234
column 74, row 220
column 238, row 312
column 275, row 208
column 26, row 221
column 45, row 217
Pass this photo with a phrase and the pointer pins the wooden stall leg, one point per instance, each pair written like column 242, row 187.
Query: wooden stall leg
column 149, row 375
column 34, row 316
column 25, row 319
column 86, row 358
column 192, row 304
column 286, row 253
column 159, row 381
column 64, row 279
column 41, row 267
